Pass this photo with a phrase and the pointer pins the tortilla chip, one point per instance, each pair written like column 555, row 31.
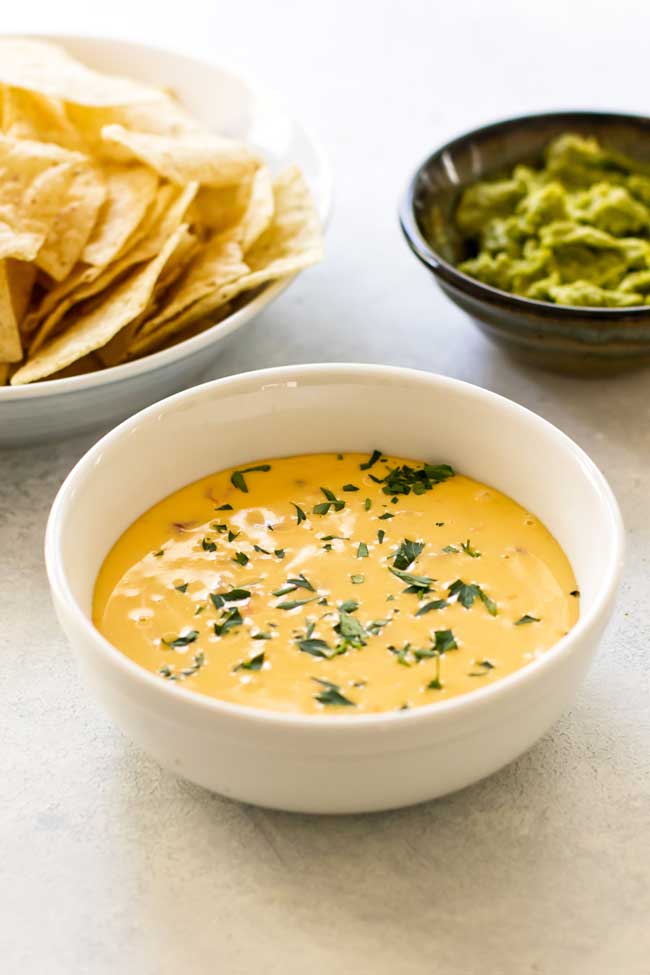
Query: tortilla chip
column 218, row 262
column 97, row 326
column 187, row 157
column 248, row 206
column 73, row 223
column 185, row 326
column 27, row 115
column 11, row 349
column 130, row 192
column 21, row 276
column 4, row 373
column 292, row 242
column 49, row 70
column 161, row 223
column 160, row 116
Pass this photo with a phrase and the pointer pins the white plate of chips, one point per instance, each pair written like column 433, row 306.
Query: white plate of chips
column 139, row 227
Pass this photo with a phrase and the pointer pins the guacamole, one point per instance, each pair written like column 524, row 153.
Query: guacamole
column 575, row 231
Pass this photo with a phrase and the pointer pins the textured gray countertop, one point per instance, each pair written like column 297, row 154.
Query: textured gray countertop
column 110, row 864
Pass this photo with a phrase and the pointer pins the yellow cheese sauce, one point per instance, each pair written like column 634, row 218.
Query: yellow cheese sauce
column 335, row 584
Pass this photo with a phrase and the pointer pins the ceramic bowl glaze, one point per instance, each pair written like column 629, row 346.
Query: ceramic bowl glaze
column 235, row 106
column 558, row 337
column 327, row 763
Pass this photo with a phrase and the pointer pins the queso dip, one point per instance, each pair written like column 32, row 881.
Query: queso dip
column 335, row 584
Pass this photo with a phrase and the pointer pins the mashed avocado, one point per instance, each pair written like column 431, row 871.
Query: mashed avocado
column 575, row 232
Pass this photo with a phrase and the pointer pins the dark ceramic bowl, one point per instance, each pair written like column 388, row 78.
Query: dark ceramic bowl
column 559, row 337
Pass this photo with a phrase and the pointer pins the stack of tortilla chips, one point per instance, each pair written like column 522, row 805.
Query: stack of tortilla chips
column 125, row 225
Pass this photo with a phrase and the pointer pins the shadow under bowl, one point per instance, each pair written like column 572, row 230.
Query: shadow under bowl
column 576, row 340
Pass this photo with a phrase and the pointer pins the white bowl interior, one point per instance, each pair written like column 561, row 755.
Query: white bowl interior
column 334, row 408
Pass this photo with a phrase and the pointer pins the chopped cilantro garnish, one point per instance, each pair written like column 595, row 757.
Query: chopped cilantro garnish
column 237, row 477
column 254, row 663
column 224, row 507
column 386, row 516
column 159, row 553
column 450, row 549
column 279, row 553
column 428, row 607
column 183, row 640
column 182, row 587
column 230, row 619
column 404, row 479
column 468, row 592
column 357, row 579
column 332, row 694
column 350, row 487
column 262, row 551
column 367, row 504
column 362, row 551
column 242, row 558
column 486, row 666
column 208, row 546
column 293, row 603
column 372, row 460
column 349, row 606
column 407, row 553
column 468, row 550
column 381, row 535
column 300, row 514
column 526, row 618
column 419, row 582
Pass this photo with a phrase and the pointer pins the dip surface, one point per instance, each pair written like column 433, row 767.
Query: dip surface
column 575, row 231
column 335, row 584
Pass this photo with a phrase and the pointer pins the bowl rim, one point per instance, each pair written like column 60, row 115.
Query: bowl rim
column 340, row 724
column 478, row 289
column 264, row 296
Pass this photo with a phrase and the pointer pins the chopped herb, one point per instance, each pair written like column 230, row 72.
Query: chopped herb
column 359, row 683
column 367, row 504
column 331, row 538
column 292, row 584
column 350, row 629
column 230, row 619
column 404, row 479
column 237, row 477
column 386, row 516
column 402, row 655
column 445, row 641
column 349, row 606
column 199, row 610
column 219, row 528
column 322, row 508
column 183, row 640
column 300, row 514
column 224, row 507
column 407, row 553
column 262, row 636
column 486, row 666
column 322, row 601
column 404, row 707
column 232, row 596
column 450, row 549
column 372, row 460
column 376, row 626
column 357, row 579
column 208, row 546
column 381, row 535
column 468, row 550
column 278, row 552
column 434, row 685
column 232, row 535
column 339, row 456
column 468, row 592
column 310, row 629
column 332, row 502
column 394, row 500
column 439, row 524
column 182, row 587
column 575, row 592
column 362, row 551
column 262, row 551
column 242, row 558
column 418, row 582
column 159, row 553
column 350, row 487
column 167, row 672
column 254, row 663
column 526, row 618
column 327, row 547
column 198, row 661
column 320, row 648
column 293, row 603
column 434, row 604
column 332, row 694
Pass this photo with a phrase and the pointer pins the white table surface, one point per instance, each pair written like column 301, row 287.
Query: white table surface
column 110, row 865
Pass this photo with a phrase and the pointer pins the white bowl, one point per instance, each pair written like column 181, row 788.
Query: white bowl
column 234, row 106
column 330, row 764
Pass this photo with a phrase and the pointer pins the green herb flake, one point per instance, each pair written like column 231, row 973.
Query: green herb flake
column 199, row 610
column 362, row 551
column 231, row 596
column 232, row 535
column 367, row 504
column 198, row 660
column 183, row 640
column 208, row 546
column 433, row 605
column 159, row 553
column 468, row 550
column 450, row 549
column 418, row 582
column 440, row 524
column 182, row 587
column 575, row 592
column 404, row 479
column 262, row 636
column 526, row 618
column 357, row 580
column 300, row 514
column 262, row 551
column 237, row 477
column 224, row 507
column 486, row 667
column 242, row 558
column 468, row 592
column 350, row 487
column 279, row 553
column 386, row 516
column 320, row 648
column 254, row 663
column 349, row 606
column 294, row 603
column 230, row 619
column 445, row 641
column 381, row 535
column 331, row 695
column 350, row 629
column 407, row 553
column 372, row 460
